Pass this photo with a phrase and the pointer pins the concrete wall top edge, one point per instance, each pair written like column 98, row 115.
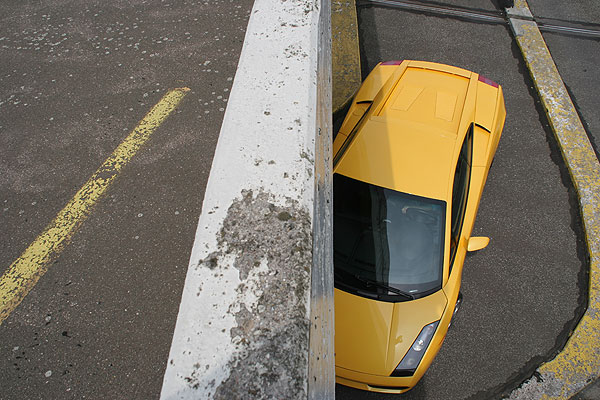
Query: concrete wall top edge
column 256, row 222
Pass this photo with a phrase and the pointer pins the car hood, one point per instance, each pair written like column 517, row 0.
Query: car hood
column 372, row 336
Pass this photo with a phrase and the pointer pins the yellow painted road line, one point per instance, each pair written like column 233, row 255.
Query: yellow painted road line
column 25, row 271
column 579, row 362
column 345, row 54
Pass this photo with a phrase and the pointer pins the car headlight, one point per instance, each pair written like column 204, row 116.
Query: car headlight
column 413, row 357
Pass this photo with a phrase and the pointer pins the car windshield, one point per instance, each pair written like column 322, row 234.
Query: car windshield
column 384, row 238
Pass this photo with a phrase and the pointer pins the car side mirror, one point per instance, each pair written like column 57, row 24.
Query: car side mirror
column 477, row 243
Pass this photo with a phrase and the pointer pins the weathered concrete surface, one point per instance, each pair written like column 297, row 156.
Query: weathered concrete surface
column 256, row 317
column 321, row 357
column 579, row 362
column 272, row 249
column 519, row 10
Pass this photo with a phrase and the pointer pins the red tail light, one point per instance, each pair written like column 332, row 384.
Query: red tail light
column 393, row 62
column 488, row 81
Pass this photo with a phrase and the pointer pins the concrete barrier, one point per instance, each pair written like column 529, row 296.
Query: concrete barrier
column 256, row 316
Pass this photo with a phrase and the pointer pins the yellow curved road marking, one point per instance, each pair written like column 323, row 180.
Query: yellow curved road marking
column 25, row 271
column 578, row 363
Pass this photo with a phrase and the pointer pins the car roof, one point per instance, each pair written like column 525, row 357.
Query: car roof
column 411, row 138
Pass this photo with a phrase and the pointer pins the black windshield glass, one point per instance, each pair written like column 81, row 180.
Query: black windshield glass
column 386, row 237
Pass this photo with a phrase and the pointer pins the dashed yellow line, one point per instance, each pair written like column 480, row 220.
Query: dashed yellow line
column 579, row 362
column 25, row 271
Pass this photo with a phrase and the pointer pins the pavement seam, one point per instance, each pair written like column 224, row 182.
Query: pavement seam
column 578, row 363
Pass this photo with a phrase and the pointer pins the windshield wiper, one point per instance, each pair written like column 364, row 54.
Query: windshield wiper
column 370, row 282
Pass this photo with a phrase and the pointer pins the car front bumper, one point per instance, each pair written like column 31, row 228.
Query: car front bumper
column 377, row 383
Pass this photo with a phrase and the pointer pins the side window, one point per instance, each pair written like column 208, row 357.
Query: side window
column 460, row 190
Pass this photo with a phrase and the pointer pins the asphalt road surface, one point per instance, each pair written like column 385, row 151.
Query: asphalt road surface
column 576, row 56
column 525, row 291
column 75, row 78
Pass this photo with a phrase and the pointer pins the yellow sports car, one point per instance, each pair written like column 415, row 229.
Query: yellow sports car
column 410, row 163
